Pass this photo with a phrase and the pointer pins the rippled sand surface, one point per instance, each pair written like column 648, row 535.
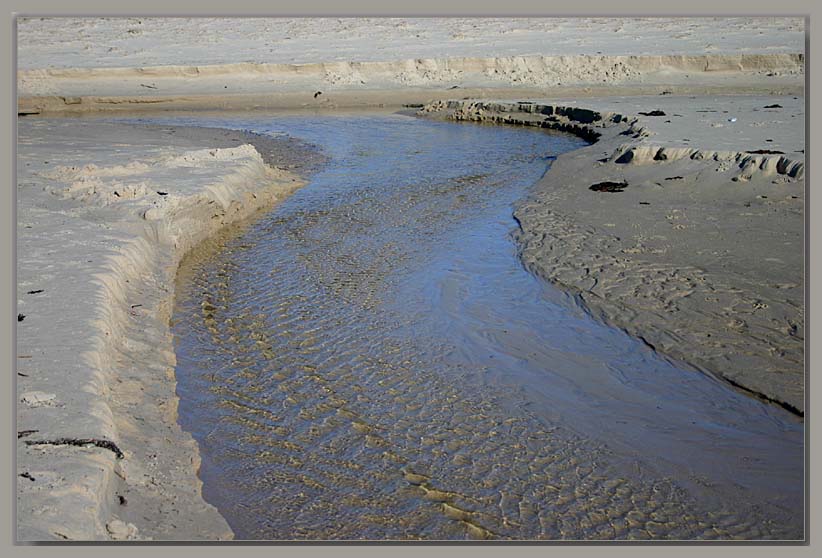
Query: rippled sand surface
column 370, row 361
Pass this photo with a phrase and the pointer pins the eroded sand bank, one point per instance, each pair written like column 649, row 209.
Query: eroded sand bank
column 105, row 211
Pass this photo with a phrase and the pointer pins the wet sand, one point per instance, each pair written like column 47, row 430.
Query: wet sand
column 112, row 310
column 88, row 192
column 661, row 254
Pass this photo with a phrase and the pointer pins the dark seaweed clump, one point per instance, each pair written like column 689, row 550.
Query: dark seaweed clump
column 608, row 186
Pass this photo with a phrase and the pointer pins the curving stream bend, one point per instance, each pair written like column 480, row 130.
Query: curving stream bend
column 371, row 361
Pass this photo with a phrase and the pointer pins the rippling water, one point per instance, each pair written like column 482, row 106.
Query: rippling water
column 371, row 361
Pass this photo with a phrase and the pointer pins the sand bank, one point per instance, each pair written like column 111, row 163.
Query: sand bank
column 696, row 250
column 82, row 64
column 105, row 211
column 341, row 84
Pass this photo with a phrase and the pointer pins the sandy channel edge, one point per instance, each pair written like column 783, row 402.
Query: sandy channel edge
column 734, row 327
column 102, row 456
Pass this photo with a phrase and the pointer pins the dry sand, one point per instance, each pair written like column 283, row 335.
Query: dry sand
column 81, row 64
column 706, row 267
column 138, row 42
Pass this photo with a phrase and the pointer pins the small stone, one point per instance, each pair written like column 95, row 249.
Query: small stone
column 37, row 398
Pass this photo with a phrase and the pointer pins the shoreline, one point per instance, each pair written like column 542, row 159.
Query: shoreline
column 100, row 455
column 639, row 282
column 536, row 71
column 86, row 105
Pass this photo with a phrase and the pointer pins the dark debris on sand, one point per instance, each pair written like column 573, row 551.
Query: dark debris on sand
column 608, row 186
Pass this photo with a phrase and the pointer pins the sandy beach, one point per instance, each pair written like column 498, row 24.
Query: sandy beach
column 98, row 248
column 129, row 64
column 683, row 223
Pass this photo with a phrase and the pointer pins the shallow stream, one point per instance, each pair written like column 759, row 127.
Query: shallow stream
column 370, row 360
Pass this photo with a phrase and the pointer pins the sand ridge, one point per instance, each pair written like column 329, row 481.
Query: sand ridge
column 540, row 71
column 159, row 63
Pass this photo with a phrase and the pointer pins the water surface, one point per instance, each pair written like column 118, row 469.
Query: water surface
column 370, row 360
